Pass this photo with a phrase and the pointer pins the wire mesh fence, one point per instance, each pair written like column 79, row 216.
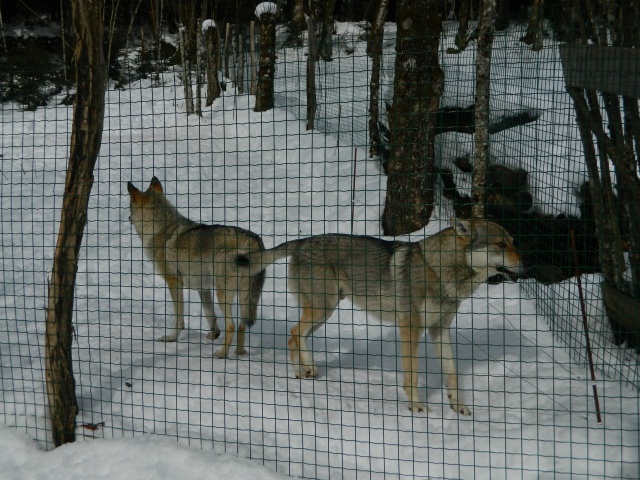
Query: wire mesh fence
column 519, row 347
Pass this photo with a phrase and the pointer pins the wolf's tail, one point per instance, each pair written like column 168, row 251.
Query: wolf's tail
column 256, row 263
column 259, row 260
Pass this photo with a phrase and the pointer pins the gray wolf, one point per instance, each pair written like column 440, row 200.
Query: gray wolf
column 193, row 255
column 417, row 286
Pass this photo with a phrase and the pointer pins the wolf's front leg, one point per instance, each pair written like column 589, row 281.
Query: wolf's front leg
column 176, row 286
column 224, row 300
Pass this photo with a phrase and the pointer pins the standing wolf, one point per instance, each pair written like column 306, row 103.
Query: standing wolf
column 416, row 286
column 197, row 256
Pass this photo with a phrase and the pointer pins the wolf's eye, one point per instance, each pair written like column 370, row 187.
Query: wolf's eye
column 501, row 245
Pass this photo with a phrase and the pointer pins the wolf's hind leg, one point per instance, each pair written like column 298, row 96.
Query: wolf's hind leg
column 176, row 286
column 209, row 310
column 410, row 341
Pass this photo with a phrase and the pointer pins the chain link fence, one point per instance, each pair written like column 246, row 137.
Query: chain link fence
column 519, row 347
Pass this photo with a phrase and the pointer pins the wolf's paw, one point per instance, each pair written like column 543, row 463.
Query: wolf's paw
column 417, row 407
column 241, row 351
column 213, row 334
column 307, row 371
column 168, row 338
column 222, row 353
column 461, row 409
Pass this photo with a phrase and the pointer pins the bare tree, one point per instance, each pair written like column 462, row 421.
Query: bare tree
column 374, row 50
column 86, row 136
column 266, row 70
column 252, row 58
column 462, row 37
column 312, row 55
column 186, row 69
column 608, row 30
column 533, row 36
column 199, row 55
column 212, row 46
column 418, row 85
column 298, row 23
column 325, row 47
column 483, row 89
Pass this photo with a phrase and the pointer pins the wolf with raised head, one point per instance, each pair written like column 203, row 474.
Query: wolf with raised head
column 417, row 286
column 197, row 256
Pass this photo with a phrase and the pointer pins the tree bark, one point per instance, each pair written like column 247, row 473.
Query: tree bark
column 603, row 23
column 312, row 103
column 418, row 85
column 186, row 70
column 266, row 68
column 462, row 36
column 325, row 48
column 212, row 46
column 298, row 24
column 86, row 138
column 482, row 97
column 533, row 36
column 252, row 58
column 374, row 50
column 199, row 68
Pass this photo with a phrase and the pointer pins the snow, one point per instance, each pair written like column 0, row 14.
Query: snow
column 151, row 457
column 208, row 24
column 265, row 7
column 173, row 409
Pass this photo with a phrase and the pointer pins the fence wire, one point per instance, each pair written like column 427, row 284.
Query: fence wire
column 519, row 347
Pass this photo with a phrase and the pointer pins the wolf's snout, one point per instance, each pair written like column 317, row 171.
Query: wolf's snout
column 513, row 275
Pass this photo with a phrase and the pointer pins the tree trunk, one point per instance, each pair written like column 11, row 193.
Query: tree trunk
column 605, row 23
column 86, row 136
column 252, row 58
column 462, row 37
column 298, row 24
column 186, row 70
column 325, row 49
column 312, row 55
column 483, row 89
column 266, row 68
column 533, row 36
column 199, row 68
column 226, row 53
column 374, row 50
column 417, row 88
column 212, row 46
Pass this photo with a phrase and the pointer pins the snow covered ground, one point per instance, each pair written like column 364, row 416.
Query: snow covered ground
column 533, row 413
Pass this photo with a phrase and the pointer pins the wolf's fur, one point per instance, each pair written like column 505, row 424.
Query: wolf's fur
column 200, row 257
column 416, row 286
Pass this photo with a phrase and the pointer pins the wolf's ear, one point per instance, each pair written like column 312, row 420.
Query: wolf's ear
column 155, row 186
column 133, row 192
column 463, row 228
